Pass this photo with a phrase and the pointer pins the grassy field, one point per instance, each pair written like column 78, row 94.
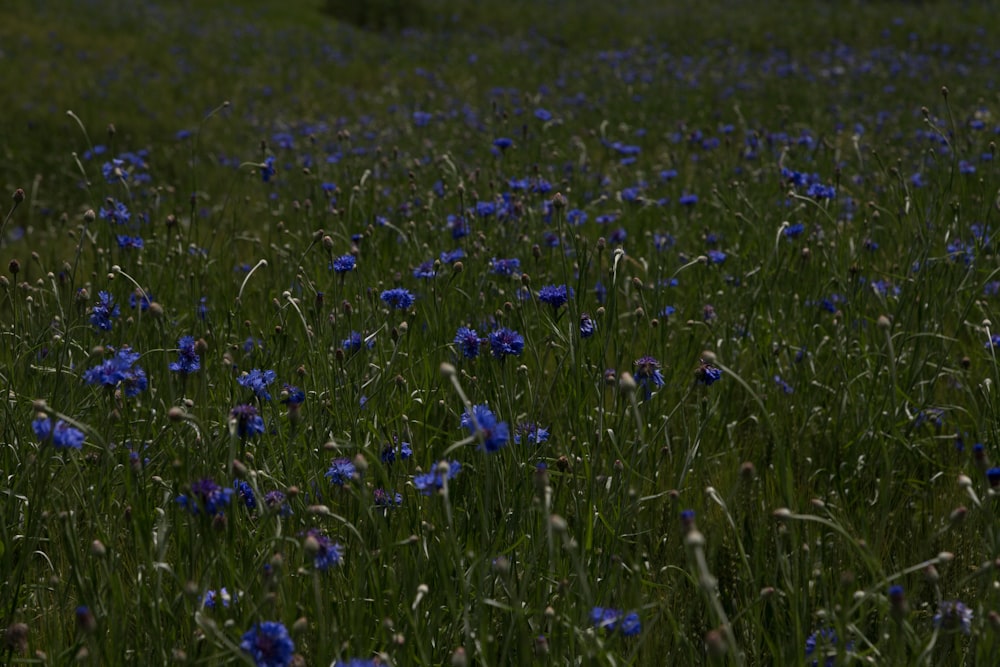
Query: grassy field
column 526, row 333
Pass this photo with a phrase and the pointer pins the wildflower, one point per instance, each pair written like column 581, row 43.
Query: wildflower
column 793, row 231
column 104, row 311
column 127, row 242
column 688, row 200
column 341, row 471
column 292, row 395
column 385, row 499
column 425, row 270
column 554, row 295
column 467, row 341
column 327, row 553
column 614, row 619
column 114, row 212
column 506, row 267
column 119, row 370
column 503, row 143
column 202, row 309
column 344, row 263
column 248, row 422
column 716, row 256
column 992, row 476
column 482, row 422
column 505, row 342
column 543, row 115
column 62, row 435
column 257, row 381
column 269, row 644
column 212, row 598
column 276, row 500
column 647, row 373
column 389, row 453
column 453, row 256
column 533, row 433
column 187, row 359
column 823, row 640
column 587, row 325
column 708, row 374
column 993, row 342
column 354, row 341
column 206, row 495
column 114, row 171
column 432, row 481
column 267, row 170
column 357, row 662
column 246, row 494
column 953, row 615
column 142, row 300
column 785, row 387
column 398, row 298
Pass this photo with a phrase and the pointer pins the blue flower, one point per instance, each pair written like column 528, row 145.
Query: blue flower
column 554, row 295
column 823, row 639
column 506, row 267
column 389, row 452
column 206, row 495
column 211, row 598
column 611, row 620
column 792, row 231
column 533, row 433
column 647, row 373
column 504, row 342
column 688, row 200
column 328, row 553
column 62, row 435
column 708, row 374
column 482, row 422
column 503, row 143
column 248, row 422
column 276, row 501
column 114, row 171
column 587, row 325
column 344, row 263
column 467, row 341
column 187, row 359
column 357, row 662
column 425, row 270
column 341, row 471
column 143, row 300
column 119, row 370
column 432, row 481
column 104, row 311
column 398, row 298
column 269, row 644
column 453, row 256
column 785, row 387
column 354, row 341
column 716, row 256
column 543, row 115
column 246, row 494
column 385, row 499
column 126, row 242
column 993, row 342
column 257, row 380
column 292, row 395
column 267, row 170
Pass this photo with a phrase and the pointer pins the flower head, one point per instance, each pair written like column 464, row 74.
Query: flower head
column 341, row 471
column 467, row 341
column 506, row 267
column 953, row 615
column 119, row 370
column 432, row 481
column 62, row 435
column 554, row 295
column 248, row 422
column 188, row 360
column 344, row 263
column 531, row 433
column 398, row 298
column 104, row 311
column 246, row 494
column 482, row 422
column 269, row 644
column 587, row 325
column 647, row 373
column 504, row 342
column 257, row 380
column 611, row 620
column 708, row 374
column 327, row 553
column 206, row 495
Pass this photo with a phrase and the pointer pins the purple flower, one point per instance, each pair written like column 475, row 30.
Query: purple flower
column 341, row 471
column 248, row 422
column 504, row 342
column 187, row 359
column 119, row 370
column 269, row 644
column 554, row 295
column 647, row 373
column 467, row 341
column 432, row 481
column 482, row 422
column 344, row 263
column 328, row 553
column 587, row 326
column 246, row 494
column 708, row 374
column 104, row 311
column 257, row 381
column 398, row 298
column 206, row 495
column 62, row 435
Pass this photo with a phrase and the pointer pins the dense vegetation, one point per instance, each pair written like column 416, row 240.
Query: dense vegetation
column 514, row 333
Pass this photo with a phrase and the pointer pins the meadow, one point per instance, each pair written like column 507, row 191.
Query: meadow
column 524, row 333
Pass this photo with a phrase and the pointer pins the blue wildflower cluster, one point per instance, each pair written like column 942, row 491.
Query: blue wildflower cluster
column 615, row 620
column 430, row 482
column 119, row 371
column 481, row 422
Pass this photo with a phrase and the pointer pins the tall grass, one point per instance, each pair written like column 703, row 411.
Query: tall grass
column 770, row 444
